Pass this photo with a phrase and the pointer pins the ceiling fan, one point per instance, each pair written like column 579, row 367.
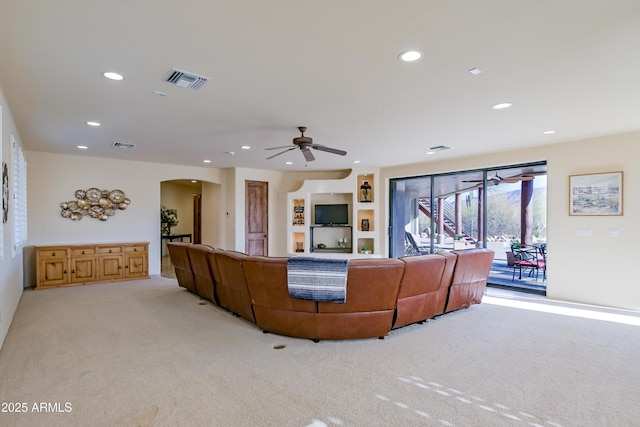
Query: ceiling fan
column 496, row 179
column 304, row 143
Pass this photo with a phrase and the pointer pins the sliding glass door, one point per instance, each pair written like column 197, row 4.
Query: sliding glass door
column 493, row 208
column 410, row 226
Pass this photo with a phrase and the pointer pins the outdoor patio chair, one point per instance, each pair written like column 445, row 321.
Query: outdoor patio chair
column 411, row 247
column 532, row 258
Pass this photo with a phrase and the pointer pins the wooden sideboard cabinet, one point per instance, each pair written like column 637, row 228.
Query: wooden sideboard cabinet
column 70, row 265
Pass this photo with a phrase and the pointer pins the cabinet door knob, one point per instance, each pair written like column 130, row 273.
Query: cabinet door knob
column 65, row 272
column 53, row 254
column 82, row 252
column 73, row 271
column 135, row 249
column 109, row 250
column 126, row 266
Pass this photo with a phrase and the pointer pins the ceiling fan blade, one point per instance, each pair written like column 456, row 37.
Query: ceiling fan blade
column 276, row 148
column 308, row 155
column 472, row 180
column 328, row 149
column 282, row 152
column 517, row 179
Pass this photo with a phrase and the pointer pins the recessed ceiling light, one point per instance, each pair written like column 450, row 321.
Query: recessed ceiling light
column 246, row 147
column 82, row 147
column 157, row 92
column 430, row 152
column 502, row 106
column 549, row 132
column 356, row 161
column 94, row 124
column 113, row 76
column 194, row 181
column 475, row 71
column 288, row 163
column 230, row 153
column 410, row 56
column 206, row 161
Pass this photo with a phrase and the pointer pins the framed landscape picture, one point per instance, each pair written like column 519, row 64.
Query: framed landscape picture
column 596, row 194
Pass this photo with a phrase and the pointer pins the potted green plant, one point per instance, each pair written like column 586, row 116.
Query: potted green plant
column 168, row 219
column 512, row 257
column 365, row 250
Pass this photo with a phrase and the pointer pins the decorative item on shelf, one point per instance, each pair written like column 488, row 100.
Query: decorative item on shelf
column 342, row 242
column 298, row 215
column 95, row 203
column 299, row 247
column 365, row 191
column 168, row 219
column 5, row 192
column 364, row 224
column 365, row 250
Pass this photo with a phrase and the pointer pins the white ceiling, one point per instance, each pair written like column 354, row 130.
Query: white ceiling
column 330, row 65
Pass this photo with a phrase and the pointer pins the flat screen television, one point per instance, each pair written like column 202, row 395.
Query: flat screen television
column 337, row 214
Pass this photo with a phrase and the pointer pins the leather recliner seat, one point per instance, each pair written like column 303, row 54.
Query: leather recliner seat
column 382, row 293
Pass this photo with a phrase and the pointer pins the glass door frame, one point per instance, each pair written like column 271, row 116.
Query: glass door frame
column 396, row 231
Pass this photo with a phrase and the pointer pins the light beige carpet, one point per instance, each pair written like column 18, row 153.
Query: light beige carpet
column 147, row 353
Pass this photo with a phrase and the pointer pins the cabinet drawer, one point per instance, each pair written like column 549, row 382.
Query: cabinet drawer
column 46, row 253
column 83, row 251
column 140, row 249
column 110, row 250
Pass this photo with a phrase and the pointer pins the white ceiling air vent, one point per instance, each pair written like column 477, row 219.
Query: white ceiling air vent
column 440, row 148
column 123, row 145
column 185, row 79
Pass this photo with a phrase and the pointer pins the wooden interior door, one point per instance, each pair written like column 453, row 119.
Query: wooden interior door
column 197, row 218
column 256, row 217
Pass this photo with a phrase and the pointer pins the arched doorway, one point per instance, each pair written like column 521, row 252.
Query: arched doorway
column 197, row 205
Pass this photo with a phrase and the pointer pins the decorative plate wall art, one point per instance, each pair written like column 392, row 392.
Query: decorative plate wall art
column 94, row 203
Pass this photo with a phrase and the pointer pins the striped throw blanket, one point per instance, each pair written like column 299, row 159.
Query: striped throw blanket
column 318, row 279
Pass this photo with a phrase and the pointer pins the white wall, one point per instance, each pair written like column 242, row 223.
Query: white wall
column 10, row 267
column 595, row 270
column 53, row 178
column 280, row 184
column 213, row 230
column 598, row 269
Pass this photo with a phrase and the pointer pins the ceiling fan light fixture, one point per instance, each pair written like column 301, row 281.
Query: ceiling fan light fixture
column 304, row 144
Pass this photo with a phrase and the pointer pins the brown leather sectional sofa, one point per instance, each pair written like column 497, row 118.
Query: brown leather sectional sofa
column 382, row 293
